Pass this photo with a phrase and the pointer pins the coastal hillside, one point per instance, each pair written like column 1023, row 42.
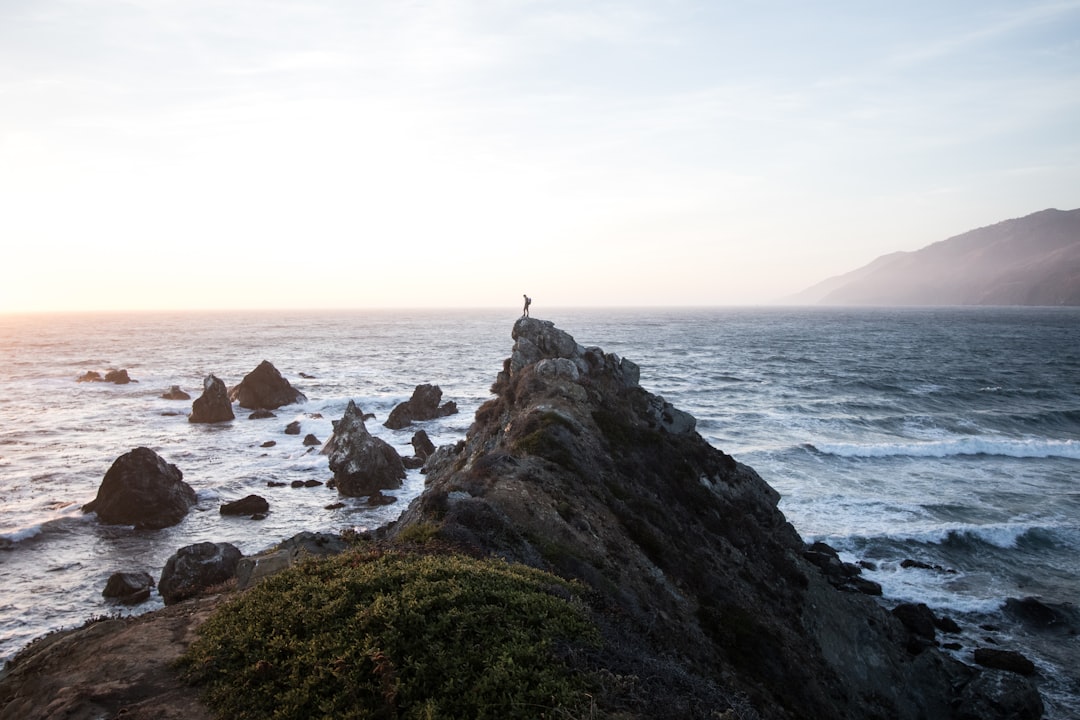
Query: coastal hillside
column 1033, row 260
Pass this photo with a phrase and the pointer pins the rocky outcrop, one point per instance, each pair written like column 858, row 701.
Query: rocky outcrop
column 128, row 588
column 195, row 568
column 175, row 393
column 422, row 445
column 213, row 406
column 250, row 505
column 362, row 463
column 265, row 388
column 423, row 405
column 700, row 585
column 253, row 569
column 143, row 490
column 117, row 377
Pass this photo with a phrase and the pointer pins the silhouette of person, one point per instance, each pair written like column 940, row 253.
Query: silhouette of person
column 528, row 302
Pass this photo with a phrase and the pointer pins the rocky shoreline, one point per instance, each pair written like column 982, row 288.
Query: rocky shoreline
column 703, row 592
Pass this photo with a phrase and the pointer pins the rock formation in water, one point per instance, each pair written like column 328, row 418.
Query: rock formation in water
column 143, row 490
column 265, row 388
column 213, row 406
column 362, row 463
column 175, row 393
column 423, row 405
column 128, row 588
column 703, row 592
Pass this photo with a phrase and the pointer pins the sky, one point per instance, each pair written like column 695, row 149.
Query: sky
column 217, row 154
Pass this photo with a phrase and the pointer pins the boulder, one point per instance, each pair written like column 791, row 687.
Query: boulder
column 422, row 445
column 195, row 568
column 90, row 376
column 361, row 462
column 423, row 405
column 250, row 505
column 250, row 570
column 310, row 440
column 175, row 393
column 998, row 694
column 213, row 406
column 261, row 415
column 129, row 588
column 118, row 377
column 293, row 428
column 1041, row 616
column 1008, row 660
column 143, row 490
column 264, row 387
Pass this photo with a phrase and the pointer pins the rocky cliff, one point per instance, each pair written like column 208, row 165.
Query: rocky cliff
column 700, row 582
column 1033, row 260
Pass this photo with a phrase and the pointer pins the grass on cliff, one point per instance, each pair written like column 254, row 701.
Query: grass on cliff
column 373, row 634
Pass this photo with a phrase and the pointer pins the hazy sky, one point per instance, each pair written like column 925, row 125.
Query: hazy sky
column 307, row 153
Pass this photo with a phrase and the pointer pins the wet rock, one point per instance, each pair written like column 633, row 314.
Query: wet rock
column 175, row 393
column 377, row 499
column 361, row 462
column 1045, row 617
column 422, row 445
column 423, row 405
column 195, row 568
column 998, row 694
column 118, row 377
column 90, row 376
column 142, row 489
column 213, row 406
column 129, row 588
column 261, row 415
column 293, row 428
column 268, row 444
column 264, row 387
column 250, row 505
column 1008, row 660
column 310, row 440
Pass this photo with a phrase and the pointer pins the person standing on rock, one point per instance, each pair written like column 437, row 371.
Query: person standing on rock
column 528, row 302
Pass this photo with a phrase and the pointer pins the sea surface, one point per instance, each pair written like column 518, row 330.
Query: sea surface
column 948, row 436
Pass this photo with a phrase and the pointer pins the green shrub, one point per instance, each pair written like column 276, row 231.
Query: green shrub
column 395, row 635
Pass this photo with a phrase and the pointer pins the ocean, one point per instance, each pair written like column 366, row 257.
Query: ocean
column 945, row 436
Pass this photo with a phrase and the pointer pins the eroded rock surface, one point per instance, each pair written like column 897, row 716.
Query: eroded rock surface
column 142, row 489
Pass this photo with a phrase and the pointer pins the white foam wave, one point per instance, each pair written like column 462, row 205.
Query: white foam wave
column 1007, row 447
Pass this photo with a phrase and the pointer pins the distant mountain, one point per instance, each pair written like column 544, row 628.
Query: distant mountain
column 1033, row 260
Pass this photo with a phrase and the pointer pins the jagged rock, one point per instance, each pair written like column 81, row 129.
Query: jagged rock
column 1008, row 660
column 175, row 393
column 143, row 490
column 118, row 377
column 575, row 468
column 261, row 414
column 422, row 445
column 361, row 462
column 377, row 498
column 250, row 505
column 129, row 588
column 310, row 440
column 423, row 405
column 90, row 376
column 197, row 567
column 293, row 428
column 250, row 570
column 1041, row 616
column 268, row 444
column 264, row 387
column 412, row 463
column 213, row 406
column 999, row 694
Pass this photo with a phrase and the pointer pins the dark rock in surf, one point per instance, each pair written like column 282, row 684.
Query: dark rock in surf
column 998, row 694
column 264, row 387
column 195, row 568
column 175, row 393
column 213, row 406
column 423, row 405
column 293, row 428
column 90, row 376
column 128, row 588
column 310, row 440
column 412, row 462
column 361, row 462
column 118, row 377
column 422, row 445
column 1008, row 660
column 1038, row 615
column 261, row 415
column 143, row 490
column 250, row 505
column 377, row 498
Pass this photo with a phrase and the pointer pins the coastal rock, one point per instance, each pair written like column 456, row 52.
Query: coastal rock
column 293, row 428
column 1008, row 660
column 118, row 377
column 361, row 462
column 422, row 445
column 261, row 415
column 310, row 440
column 999, row 694
column 1044, row 617
column 706, row 598
column 175, row 393
column 252, row 569
column 195, row 568
column 128, row 588
column 423, row 405
column 213, row 406
column 264, row 387
column 90, row 376
column 143, row 490
column 250, row 505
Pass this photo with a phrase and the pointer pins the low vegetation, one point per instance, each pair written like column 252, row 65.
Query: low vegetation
column 381, row 634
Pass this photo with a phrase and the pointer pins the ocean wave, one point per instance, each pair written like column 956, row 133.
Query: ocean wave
column 1006, row 447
